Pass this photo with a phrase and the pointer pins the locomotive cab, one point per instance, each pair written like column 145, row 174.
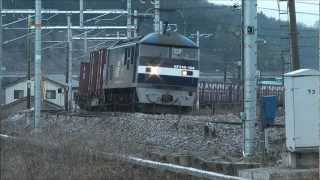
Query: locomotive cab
column 168, row 70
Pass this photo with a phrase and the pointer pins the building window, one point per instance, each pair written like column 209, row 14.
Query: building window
column 51, row 94
column 17, row 94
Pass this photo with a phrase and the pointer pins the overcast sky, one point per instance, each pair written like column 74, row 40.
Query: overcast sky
column 307, row 10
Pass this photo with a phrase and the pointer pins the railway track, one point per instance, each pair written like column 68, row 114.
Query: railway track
column 89, row 114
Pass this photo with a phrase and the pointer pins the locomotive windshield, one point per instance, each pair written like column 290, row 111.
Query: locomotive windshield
column 154, row 51
column 164, row 52
column 184, row 53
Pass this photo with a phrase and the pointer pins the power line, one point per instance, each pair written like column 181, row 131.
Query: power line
column 297, row 12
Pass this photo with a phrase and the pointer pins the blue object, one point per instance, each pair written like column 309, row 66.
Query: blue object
column 269, row 110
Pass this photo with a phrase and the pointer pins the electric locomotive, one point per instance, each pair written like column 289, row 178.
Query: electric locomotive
column 158, row 72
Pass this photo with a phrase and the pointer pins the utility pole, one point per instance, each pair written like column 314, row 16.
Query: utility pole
column 135, row 22
column 69, row 66
column 29, row 63
column 294, row 35
column 250, row 76
column 1, row 57
column 129, row 22
column 319, row 69
column 198, row 93
column 319, row 55
column 242, row 45
column 85, row 40
column 157, row 16
column 37, row 65
column 81, row 12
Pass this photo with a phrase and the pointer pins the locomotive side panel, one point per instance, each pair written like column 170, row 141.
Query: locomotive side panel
column 101, row 69
column 121, row 67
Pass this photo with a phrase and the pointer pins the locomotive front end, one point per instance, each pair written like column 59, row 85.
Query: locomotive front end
column 168, row 71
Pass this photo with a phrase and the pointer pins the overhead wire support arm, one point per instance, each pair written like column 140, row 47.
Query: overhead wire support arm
column 97, row 18
column 53, row 45
column 75, row 27
column 110, row 19
column 14, row 22
column 100, row 38
column 83, row 33
column 54, row 11
column 17, row 38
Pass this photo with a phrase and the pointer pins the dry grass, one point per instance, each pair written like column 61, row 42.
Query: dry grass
column 64, row 146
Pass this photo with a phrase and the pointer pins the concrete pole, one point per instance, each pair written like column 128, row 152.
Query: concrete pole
column 135, row 22
column 81, row 13
column 69, row 64
column 319, row 70
column 242, row 45
column 294, row 35
column 29, row 63
column 2, row 101
column 198, row 93
column 129, row 21
column 37, row 65
column 85, row 40
column 157, row 16
column 250, row 77
column 319, row 55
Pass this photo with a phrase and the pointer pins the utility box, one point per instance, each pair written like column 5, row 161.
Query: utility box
column 268, row 110
column 302, row 110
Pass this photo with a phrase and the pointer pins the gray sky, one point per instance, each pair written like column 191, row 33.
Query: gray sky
column 307, row 10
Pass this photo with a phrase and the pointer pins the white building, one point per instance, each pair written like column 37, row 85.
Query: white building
column 53, row 91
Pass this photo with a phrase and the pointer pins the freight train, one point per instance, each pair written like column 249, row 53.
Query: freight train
column 157, row 73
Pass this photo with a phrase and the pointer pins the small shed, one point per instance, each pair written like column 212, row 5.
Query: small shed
column 302, row 109
column 53, row 91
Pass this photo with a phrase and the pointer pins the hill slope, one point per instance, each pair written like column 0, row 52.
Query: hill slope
column 218, row 52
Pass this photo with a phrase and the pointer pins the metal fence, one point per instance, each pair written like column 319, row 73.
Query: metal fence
column 232, row 93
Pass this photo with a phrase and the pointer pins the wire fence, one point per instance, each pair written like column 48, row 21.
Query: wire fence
column 232, row 93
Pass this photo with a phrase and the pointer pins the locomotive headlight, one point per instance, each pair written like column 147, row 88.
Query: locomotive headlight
column 187, row 73
column 184, row 73
column 153, row 70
